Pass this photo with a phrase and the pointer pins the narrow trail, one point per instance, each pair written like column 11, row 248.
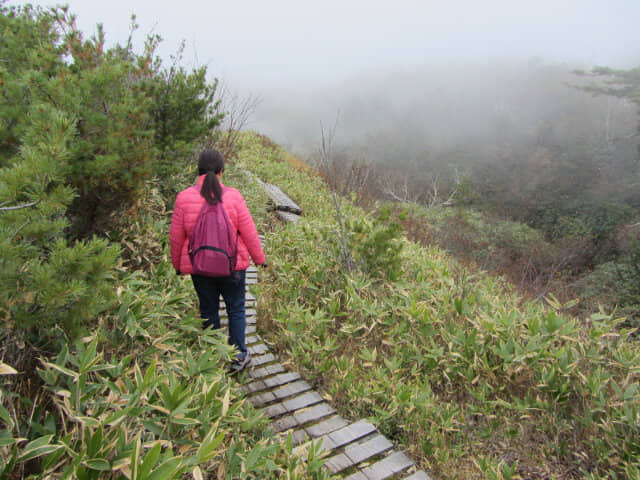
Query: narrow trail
column 356, row 450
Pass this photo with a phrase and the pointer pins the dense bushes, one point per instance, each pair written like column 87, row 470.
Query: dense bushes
column 83, row 128
column 130, row 116
column 49, row 283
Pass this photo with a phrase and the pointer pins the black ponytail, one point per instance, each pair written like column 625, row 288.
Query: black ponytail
column 211, row 163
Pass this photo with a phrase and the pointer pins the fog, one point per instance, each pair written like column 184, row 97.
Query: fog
column 253, row 44
column 409, row 82
column 413, row 115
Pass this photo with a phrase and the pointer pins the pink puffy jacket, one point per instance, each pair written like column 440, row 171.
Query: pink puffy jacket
column 188, row 204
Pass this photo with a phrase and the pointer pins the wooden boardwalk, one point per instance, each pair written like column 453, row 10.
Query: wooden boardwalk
column 355, row 450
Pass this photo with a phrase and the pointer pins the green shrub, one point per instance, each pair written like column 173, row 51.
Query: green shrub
column 377, row 244
column 48, row 281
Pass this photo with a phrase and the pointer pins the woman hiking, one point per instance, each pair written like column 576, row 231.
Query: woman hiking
column 189, row 202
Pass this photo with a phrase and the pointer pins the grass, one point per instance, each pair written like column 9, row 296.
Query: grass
column 473, row 380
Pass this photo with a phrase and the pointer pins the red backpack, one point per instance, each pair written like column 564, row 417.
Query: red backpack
column 212, row 249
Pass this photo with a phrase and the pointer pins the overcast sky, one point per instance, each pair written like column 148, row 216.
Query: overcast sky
column 292, row 42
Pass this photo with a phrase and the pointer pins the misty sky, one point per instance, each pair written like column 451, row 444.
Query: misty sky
column 284, row 42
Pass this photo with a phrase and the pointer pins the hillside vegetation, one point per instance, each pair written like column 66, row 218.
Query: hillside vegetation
column 107, row 374
column 534, row 142
column 470, row 378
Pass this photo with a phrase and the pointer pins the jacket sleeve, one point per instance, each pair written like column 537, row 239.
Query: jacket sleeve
column 177, row 234
column 248, row 232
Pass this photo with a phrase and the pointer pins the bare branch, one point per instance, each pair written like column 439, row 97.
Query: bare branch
column 236, row 110
column 19, row 207
column 325, row 157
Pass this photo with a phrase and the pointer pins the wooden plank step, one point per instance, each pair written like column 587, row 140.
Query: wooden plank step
column 267, row 371
column 356, row 453
column 271, row 382
column 287, row 217
column 386, row 468
column 288, row 390
column 343, row 436
column 300, row 418
column 282, row 379
column 311, row 414
column 292, row 404
column 291, row 389
column 349, row 434
column 280, row 393
column 359, row 452
column 280, row 200
column 256, row 348
column 252, row 339
column 326, row 426
column 259, row 360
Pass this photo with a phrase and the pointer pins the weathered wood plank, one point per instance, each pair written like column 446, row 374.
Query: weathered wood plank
column 293, row 404
column 291, row 389
column 326, row 426
column 275, row 410
column 282, row 379
column 280, row 200
column 324, row 443
column 279, row 394
column 262, row 399
column 287, row 217
column 304, row 400
column 252, row 387
column 256, row 348
column 284, row 423
column 298, row 437
column 388, row 466
column 250, row 320
column 351, row 433
column 266, row 371
column 262, row 359
column 359, row 452
column 270, row 382
column 337, row 463
column 313, row 413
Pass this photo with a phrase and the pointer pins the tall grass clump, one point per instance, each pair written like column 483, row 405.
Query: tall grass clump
column 470, row 378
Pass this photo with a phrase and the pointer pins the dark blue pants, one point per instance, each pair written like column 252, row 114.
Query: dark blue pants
column 232, row 289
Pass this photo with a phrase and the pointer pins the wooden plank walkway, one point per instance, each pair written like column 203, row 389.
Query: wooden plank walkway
column 355, row 450
column 281, row 201
column 285, row 209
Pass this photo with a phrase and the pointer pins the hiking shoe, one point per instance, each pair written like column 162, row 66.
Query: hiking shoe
column 239, row 364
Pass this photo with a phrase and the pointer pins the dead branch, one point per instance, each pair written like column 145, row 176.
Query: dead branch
column 19, row 207
column 325, row 158
column 237, row 111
